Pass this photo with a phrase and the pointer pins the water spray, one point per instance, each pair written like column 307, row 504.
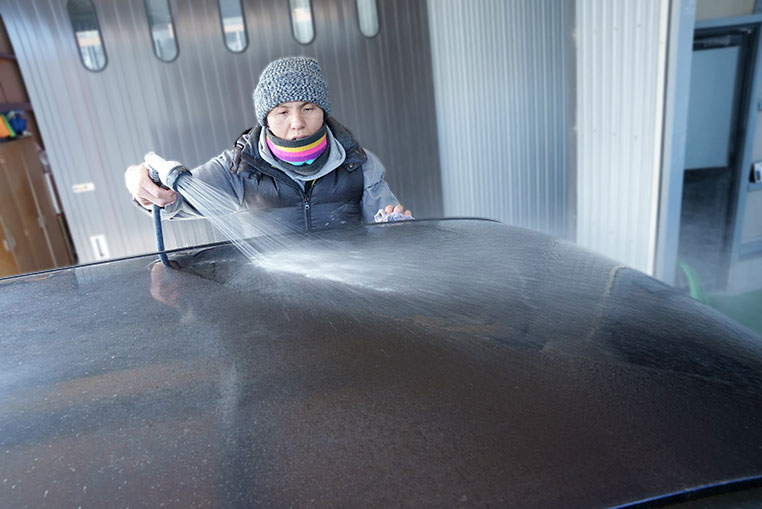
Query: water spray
column 222, row 209
column 166, row 174
column 210, row 203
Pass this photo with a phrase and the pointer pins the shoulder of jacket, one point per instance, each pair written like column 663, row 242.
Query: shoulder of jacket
column 246, row 143
column 373, row 169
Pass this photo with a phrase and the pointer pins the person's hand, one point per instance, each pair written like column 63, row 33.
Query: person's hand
column 392, row 213
column 397, row 210
column 143, row 189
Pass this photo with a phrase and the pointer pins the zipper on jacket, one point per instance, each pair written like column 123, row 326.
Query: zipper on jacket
column 307, row 205
column 282, row 178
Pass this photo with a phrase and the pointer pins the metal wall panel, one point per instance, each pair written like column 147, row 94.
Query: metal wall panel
column 501, row 77
column 95, row 124
column 620, row 88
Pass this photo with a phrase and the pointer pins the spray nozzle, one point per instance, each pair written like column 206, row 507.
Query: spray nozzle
column 162, row 171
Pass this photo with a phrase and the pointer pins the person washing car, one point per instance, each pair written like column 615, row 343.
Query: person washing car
column 299, row 163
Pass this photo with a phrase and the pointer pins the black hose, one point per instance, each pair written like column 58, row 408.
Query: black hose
column 159, row 236
column 153, row 174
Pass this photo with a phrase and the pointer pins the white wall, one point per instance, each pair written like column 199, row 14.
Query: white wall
column 501, row 77
column 621, row 49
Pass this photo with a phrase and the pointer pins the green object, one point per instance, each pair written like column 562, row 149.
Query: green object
column 8, row 126
column 694, row 282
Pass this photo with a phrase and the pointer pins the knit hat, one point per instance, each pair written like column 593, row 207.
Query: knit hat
column 290, row 79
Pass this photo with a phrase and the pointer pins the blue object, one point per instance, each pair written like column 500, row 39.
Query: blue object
column 17, row 121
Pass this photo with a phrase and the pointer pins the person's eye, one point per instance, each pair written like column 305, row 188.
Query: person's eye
column 283, row 113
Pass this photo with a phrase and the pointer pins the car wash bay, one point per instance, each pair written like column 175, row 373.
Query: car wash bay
column 532, row 84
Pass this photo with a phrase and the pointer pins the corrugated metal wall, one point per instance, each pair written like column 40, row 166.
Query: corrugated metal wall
column 95, row 124
column 501, row 76
column 620, row 88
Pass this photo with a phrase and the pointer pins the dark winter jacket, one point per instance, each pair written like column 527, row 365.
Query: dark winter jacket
column 349, row 189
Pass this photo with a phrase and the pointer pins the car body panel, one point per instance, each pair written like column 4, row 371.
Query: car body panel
column 424, row 363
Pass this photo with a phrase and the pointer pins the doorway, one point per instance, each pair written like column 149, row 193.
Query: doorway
column 719, row 95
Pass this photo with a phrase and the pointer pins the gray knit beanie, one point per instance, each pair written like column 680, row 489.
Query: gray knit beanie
column 290, row 79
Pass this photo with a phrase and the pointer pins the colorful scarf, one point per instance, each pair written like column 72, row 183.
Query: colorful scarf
column 298, row 152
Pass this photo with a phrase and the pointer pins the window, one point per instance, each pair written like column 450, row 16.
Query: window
column 87, row 34
column 233, row 25
column 367, row 17
column 301, row 21
column 162, row 29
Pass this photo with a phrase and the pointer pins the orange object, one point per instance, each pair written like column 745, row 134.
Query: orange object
column 5, row 131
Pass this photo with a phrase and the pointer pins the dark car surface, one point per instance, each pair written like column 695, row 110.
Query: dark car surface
column 426, row 364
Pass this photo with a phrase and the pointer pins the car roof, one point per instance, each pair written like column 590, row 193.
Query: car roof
column 424, row 363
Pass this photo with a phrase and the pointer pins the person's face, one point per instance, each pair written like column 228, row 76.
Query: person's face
column 294, row 120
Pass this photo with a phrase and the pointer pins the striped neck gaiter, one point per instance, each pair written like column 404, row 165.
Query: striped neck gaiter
column 298, row 152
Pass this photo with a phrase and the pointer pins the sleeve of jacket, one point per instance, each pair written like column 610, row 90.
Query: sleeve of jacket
column 226, row 188
column 376, row 194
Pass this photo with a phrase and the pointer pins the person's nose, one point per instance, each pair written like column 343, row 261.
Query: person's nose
column 297, row 121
